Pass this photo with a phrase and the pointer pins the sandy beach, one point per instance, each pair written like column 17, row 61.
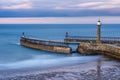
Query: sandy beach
column 110, row 70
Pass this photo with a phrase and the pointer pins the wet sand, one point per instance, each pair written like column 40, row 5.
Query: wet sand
column 110, row 70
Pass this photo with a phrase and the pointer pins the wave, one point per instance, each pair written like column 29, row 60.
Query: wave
column 17, row 43
column 46, row 63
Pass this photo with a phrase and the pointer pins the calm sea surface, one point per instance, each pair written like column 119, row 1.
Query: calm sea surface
column 15, row 56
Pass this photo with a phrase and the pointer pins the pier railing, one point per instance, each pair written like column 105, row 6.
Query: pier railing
column 44, row 42
column 91, row 38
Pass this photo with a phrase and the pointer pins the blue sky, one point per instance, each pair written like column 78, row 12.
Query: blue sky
column 59, row 8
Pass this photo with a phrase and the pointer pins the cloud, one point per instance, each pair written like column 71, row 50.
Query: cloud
column 67, row 7
column 61, row 4
column 92, row 5
column 100, row 5
column 89, row 4
column 16, row 4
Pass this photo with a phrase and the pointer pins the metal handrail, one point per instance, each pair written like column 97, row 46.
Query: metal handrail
column 44, row 42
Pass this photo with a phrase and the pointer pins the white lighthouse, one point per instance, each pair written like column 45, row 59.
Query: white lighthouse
column 98, row 32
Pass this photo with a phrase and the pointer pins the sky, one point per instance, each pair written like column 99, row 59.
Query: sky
column 59, row 8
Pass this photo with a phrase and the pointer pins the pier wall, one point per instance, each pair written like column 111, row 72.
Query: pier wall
column 93, row 48
column 86, row 48
column 58, row 49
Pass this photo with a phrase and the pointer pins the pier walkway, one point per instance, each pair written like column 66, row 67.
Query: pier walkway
column 78, row 39
column 44, row 42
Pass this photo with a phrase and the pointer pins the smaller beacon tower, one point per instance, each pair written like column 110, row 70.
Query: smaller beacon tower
column 23, row 34
column 66, row 34
column 98, row 32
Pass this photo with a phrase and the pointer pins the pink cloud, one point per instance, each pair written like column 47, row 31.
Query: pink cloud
column 18, row 6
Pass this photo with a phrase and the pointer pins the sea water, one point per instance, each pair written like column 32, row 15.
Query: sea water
column 15, row 56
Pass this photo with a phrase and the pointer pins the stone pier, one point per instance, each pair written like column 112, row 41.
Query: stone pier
column 95, row 48
column 51, row 46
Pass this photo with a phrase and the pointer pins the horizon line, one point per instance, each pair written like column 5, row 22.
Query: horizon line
column 61, row 20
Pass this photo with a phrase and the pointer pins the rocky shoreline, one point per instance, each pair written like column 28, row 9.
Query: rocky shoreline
column 110, row 70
